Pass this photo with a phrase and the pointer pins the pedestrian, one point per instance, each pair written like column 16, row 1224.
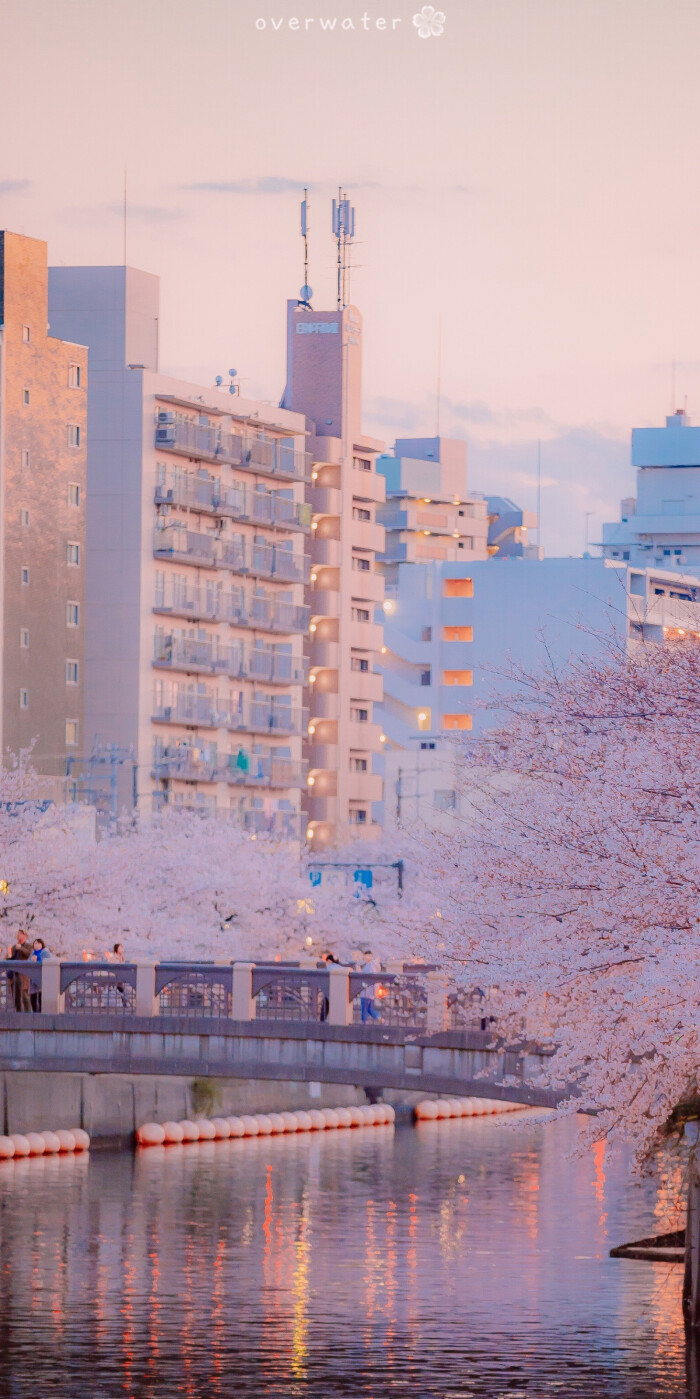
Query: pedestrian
column 331, row 961
column 21, row 952
column 117, row 955
column 39, row 953
column 368, row 1010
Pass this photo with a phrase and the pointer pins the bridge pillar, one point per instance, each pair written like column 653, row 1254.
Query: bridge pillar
column 339, row 1003
column 146, row 999
column 52, row 1002
column 436, row 1019
column 242, row 1002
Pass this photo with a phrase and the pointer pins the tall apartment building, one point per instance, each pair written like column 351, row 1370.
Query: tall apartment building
column 429, row 514
column 43, row 418
column 196, row 566
column 661, row 526
column 346, row 593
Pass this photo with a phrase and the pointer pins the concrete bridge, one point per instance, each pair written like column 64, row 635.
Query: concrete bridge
column 273, row 1030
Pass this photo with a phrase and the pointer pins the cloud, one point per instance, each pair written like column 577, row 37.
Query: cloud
column 16, row 186
column 266, row 184
column 135, row 213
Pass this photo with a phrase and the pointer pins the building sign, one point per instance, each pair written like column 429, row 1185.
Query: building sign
column 317, row 327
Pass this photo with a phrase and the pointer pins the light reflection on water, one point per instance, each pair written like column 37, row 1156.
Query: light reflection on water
column 466, row 1260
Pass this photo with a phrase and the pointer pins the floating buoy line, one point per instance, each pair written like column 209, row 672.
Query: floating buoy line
column 55, row 1143
column 435, row 1109
column 262, row 1124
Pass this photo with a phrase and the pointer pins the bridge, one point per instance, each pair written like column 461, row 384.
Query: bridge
column 301, row 1024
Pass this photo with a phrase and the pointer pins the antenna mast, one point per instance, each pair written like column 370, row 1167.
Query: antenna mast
column 124, row 230
column 343, row 224
column 306, row 292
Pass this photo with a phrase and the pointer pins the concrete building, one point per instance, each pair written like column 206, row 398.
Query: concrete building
column 661, row 526
column 429, row 515
column 43, row 417
column 509, row 530
column 475, row 622
column 196, row 567
column 343, row 748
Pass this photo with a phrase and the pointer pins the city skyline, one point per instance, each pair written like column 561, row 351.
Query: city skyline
column 556, row 251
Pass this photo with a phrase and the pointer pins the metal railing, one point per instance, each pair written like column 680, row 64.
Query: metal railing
column 210, row 603
column 207, row 495
column 399, row 999
column 260, row 452
column 299, row 996
column 96, row 988
column 243, row 769
column 176, row 542
column 20, row 984
column 194, row 991
column 210, row 711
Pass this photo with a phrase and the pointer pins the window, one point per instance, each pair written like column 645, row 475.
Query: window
column 74, row 373
column 458, row 633
column 362, row 464
column 426, row 634
column 25, row 395
column 73, row 435
column 71, row 672
column 24, row 577
column 360, row 614
column 457, row 721
column 26, row 334
column 25, row 458
column 359, row 513
column 427, row 745
column 71, row 733
column 445, row 801
column 457, row 677
column 359, row 563
column 73, row 555
column 24, row 638
column 358, row 816
column 458, row 587
column 24, row 699
column 72, row 614
column 24, row 518
column 359, row 663
column 359, row 715
column 73, row 493
column 425, row 676
column 358, row 764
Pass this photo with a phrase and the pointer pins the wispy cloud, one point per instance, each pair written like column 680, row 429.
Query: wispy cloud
column 136, row 213
column 16, row 186
column 275, row 184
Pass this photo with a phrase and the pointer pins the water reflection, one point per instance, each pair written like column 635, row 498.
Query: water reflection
column 464, row 1259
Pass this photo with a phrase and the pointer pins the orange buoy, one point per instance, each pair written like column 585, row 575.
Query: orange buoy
column 66, row 1139
column 330, row 1118
column 51, row 1141
column 290, row 1121
column 21, row 1144
column 81, row 1138
column 276, row 1121
column 236, row 1127
column 221, row 1128
column 150, row 1134
column 7, row 1148
column 390, row 1113
column 251, row 1125
column 206, row 1130
column 173, row 1133
column 427, row 1111
column 318, row 1121
column 264, row 1124
column 190, row 1130
column 344, row 1118
column 37, row 1145
column 355, row 1117
column 303, row 1121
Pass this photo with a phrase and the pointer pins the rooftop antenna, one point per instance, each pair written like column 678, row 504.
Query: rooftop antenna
column 343, row 224
column 124, row 238
column 539, row 493
column 673, row 385
column 438, row 394
column 306, row 292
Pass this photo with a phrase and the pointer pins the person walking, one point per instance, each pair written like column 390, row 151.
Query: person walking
column 39, row 953
column 21, row 952
column 368, row 1010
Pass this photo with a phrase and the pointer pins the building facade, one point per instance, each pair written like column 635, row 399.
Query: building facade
column 660, row 527
column 43, row 453
column 197, row 563
column 346, row 588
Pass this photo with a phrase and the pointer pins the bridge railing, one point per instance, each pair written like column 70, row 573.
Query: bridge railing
column 406, row 996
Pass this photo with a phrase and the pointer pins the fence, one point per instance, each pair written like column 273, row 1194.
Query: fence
column 408, row 997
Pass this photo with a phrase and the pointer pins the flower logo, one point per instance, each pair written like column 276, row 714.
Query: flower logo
column 430, row 22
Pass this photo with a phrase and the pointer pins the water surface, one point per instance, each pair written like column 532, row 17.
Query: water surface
column 465, row 1260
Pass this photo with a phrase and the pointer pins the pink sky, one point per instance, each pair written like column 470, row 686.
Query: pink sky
column 530, row 175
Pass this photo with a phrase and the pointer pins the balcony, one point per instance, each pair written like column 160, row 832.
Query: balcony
column 210, row 603
column 205, row 711
column 367, row 586
column 366, row 534
column 366, row 636
column 364, row 736
column 180, row 545
column 365, row 787
column 324, row 602
column 324, row 654
column 326, row 500
column 211, row 711
column 320, row 808
column 241, row 769
column 367, row 485
column 325, row 553
column 276, row 667
column 324, row 704
column 366, row 685
column 323, row 757
column 283, row 825
column 206, row 495
column 209, row 656
column 257, row 452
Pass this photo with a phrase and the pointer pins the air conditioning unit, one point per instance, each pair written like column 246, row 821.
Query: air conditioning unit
column 164, row 417
column 165, row 436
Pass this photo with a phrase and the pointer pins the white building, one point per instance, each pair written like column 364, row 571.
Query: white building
column 661, row 526
column 196, row 567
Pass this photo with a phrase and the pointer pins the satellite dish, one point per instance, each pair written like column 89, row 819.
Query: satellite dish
column 306, row 292
column 219, row 380
column 233, row 373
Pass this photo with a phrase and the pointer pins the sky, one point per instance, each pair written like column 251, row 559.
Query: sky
column 526, row 192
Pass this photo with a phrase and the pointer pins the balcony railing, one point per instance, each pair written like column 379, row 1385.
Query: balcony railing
column 207, row 495
column 270, row 456
column 211, row 603
column 211, row 711
column 242, row 769
column 240, row 556
column 208, row 656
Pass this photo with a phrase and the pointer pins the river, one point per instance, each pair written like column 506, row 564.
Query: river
column 464, row 1259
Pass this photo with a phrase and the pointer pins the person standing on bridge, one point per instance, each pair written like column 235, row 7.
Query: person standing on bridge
column 21, row 952
column 368, row 1010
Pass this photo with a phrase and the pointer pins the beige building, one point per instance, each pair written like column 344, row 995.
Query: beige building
column 197, row 562
column 346, row 589
column 43, row 421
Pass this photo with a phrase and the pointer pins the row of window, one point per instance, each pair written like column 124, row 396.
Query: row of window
column 72, row 558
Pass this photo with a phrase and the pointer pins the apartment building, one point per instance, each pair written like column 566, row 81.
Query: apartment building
column 43, row 453
column 346, row 588
column 660, row 527
column 429, row 514
column 196, row 567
